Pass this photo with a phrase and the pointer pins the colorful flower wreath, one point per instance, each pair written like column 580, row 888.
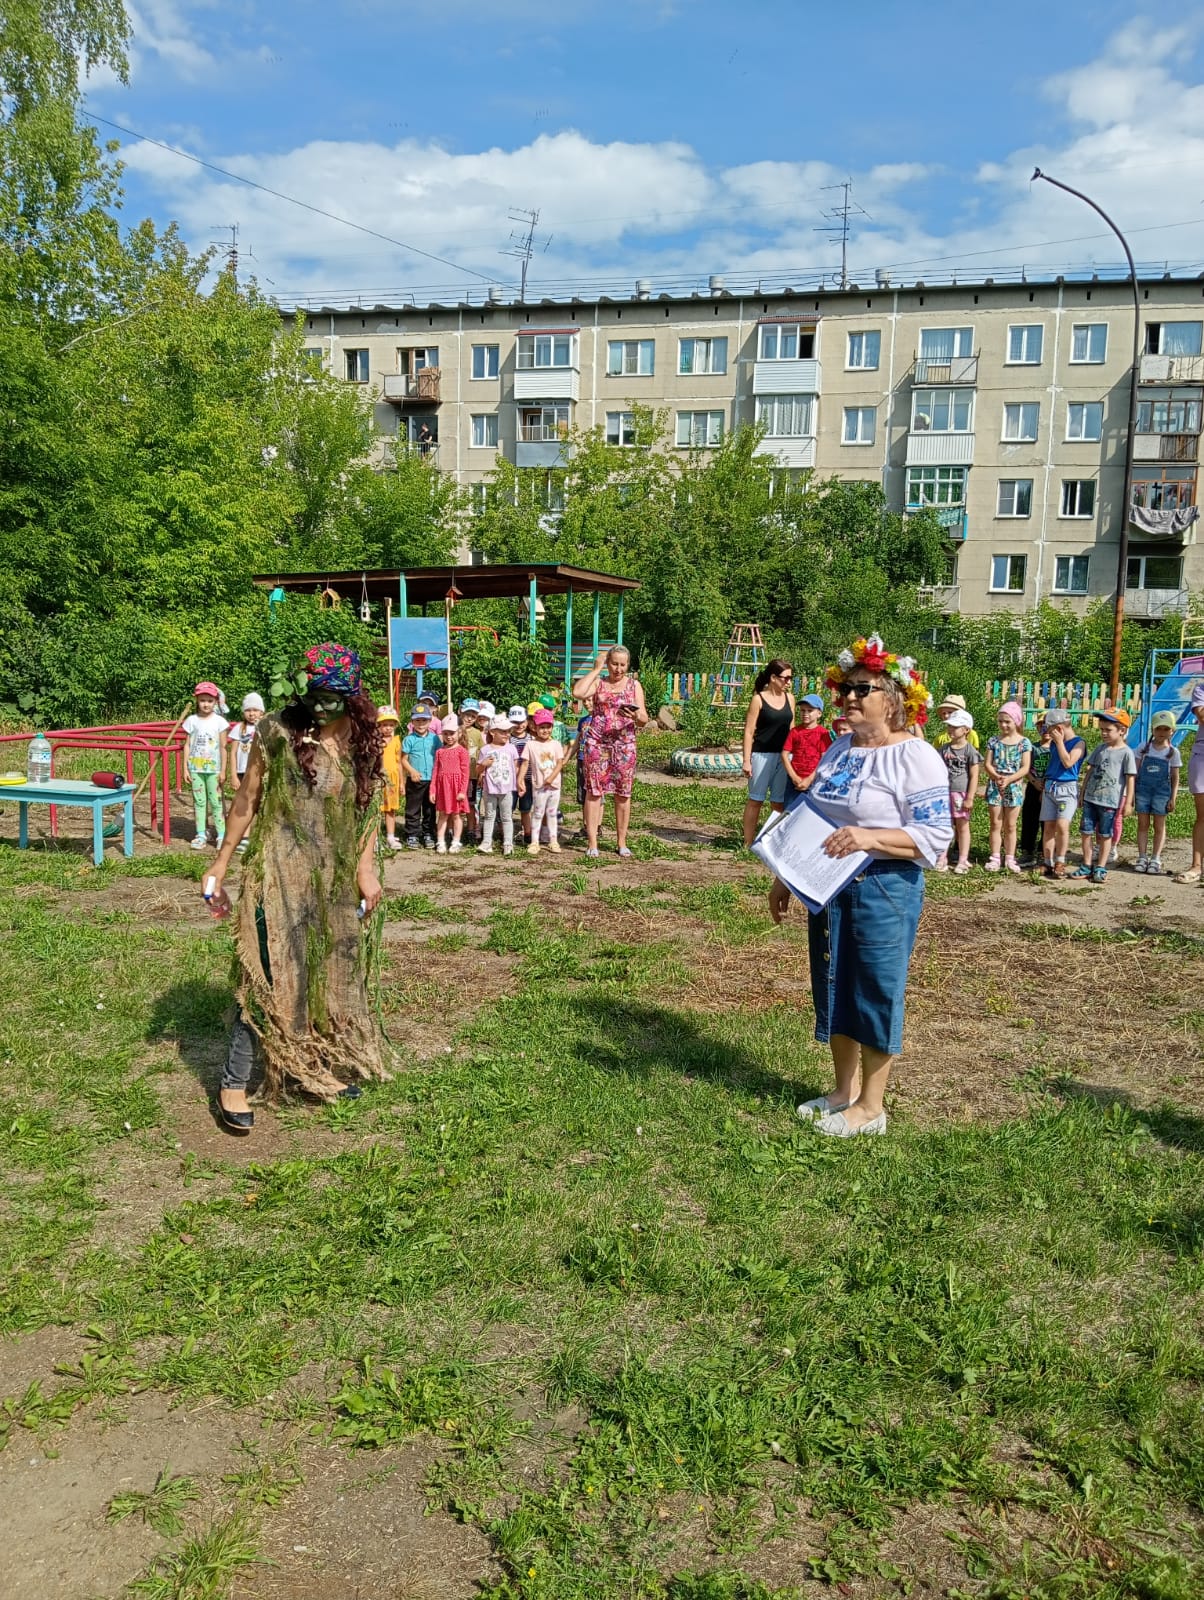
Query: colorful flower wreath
column 873, row 655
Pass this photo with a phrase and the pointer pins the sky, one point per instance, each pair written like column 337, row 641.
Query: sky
column 660, row 139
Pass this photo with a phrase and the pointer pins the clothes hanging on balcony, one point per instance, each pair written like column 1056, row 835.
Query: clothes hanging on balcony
column 1164, row 524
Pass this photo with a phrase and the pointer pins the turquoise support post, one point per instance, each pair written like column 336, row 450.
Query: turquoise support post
column 568, row 642
column 619, row 630
column 532, row 602
column 403, row 603
column 597, row 620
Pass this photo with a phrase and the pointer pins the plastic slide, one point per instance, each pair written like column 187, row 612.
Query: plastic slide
column 1168, row 687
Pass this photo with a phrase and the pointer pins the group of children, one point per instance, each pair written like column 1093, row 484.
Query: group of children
column 1036, row 786
column 216, row 753
column 457, row 780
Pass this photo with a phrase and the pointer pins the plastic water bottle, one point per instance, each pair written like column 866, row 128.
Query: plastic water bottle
column 38, row 770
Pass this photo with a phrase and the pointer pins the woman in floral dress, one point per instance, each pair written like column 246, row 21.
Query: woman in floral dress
column 617, row 709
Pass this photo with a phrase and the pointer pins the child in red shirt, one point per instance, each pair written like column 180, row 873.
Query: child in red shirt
column 806, row 744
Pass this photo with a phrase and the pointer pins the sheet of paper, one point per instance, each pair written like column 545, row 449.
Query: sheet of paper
column 791, row 846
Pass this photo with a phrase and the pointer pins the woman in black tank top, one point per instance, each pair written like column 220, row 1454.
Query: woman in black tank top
column 766, row 729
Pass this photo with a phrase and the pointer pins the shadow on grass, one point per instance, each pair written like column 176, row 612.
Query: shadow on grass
column 623, row 1036
column 196, row 1018
column 1170, row 1124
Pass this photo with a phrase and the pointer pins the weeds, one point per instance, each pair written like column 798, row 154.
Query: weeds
column 159, row 1507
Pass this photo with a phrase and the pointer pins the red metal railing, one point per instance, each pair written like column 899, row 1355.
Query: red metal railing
column 161, row 743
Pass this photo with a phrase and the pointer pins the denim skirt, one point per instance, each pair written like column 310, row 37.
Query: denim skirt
column 860, row 947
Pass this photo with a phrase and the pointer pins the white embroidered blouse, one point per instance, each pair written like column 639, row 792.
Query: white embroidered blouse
column 901, row 785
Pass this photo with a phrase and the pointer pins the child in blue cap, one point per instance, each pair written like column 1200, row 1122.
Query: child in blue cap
column 806, row 744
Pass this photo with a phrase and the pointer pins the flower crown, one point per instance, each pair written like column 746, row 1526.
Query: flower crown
column 873, row 655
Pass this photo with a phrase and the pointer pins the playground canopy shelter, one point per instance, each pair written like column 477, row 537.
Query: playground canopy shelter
column 444, row 586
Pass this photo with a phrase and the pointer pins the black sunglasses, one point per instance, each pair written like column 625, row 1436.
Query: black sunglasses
column 842, row 691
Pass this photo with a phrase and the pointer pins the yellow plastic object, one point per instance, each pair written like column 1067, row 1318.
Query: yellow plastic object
column 12, row 777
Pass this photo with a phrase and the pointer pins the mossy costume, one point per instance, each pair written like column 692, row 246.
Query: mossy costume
column 304, row 955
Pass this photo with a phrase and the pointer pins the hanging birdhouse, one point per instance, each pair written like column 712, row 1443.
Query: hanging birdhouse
column 329, row 600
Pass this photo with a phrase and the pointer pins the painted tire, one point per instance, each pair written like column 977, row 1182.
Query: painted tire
column 705, row 764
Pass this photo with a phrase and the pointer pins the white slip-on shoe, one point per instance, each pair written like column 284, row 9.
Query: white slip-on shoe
column 836, row 1125
column 820, row 1107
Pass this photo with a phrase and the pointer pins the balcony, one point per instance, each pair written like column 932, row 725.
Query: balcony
column 944, row 369
column 926, row 449
column 951, row 518
column 547, row 383
column 786, row 377
column 541, row 445
column 789, row 452
column 946, row 597
column 1172, row 369
column 1151, row 605
column 1166, row 447
column 413, row 388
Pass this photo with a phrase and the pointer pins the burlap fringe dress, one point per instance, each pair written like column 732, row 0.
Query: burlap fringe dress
column 306, row 961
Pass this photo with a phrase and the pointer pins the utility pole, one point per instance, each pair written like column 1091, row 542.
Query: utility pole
column 522, row 245
column 837, row 227
column 1122, row 560
column 231, row 249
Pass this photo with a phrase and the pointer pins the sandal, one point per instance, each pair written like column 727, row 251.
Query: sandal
column 624, row 851
column 1099, row 874
column 992, row 863
column 1191, row 876
column 1082, row 872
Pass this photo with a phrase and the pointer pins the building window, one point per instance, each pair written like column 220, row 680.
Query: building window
column 1085, row 420
column 484, row 431
column 315, row 356
column 785, row 341
column 1024, row 344
column 549, row 491
column 1173, row 489
column 860, row 424
column 1070, row 574
column 1168, row 415
column 702, row 355
column 1007, row 574
column 1020, row 421
column 478, row 501
column 543, row 424
column 1015, row 498
column 1154, row 572
column 697, row 430
column 424, row 356
column 631, row 358
column 620, row 427
column 786, row 416
column 1088, row 343
column 1078, row 497
column 484, row 361
column 356, row 365
column 935, row 486
column 865, row 350
column 946, row 344
column 1173, row 338
column 942, row 411
column 544, row 350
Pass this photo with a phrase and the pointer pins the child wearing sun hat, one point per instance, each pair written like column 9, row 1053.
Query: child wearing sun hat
column 390, row 765
column 1159, row 766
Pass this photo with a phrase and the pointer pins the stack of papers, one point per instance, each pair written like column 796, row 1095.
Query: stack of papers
column 791, row 844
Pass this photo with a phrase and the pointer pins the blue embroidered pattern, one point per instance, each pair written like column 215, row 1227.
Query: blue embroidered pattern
column 930, row 805
column 842, row 778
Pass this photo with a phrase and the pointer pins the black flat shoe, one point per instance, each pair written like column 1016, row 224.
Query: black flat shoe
column 351, row 1092
column 236, row 1121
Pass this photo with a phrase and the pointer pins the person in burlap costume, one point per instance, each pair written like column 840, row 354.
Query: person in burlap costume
column 310, row 801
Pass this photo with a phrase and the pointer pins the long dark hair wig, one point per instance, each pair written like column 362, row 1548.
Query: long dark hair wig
column 769, row 670
column 367, row 743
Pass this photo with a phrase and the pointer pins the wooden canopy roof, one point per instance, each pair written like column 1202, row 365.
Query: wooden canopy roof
column 426, row 585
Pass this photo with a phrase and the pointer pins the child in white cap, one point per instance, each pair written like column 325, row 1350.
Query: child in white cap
column 962, row 762
column 1159, row 766
column 240, row 735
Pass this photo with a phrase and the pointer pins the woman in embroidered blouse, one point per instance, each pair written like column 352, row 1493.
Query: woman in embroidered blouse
column 887, row 794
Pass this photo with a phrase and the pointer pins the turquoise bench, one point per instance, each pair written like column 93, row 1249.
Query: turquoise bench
column 73, row 792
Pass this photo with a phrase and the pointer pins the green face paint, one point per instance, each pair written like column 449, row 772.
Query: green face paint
column 325, row 707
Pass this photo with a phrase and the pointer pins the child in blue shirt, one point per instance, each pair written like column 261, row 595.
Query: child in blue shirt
column 418, row 764
column 1060, row 797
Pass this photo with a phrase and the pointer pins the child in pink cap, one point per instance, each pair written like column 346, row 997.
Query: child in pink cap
column 205, row 760
column 1008, row 759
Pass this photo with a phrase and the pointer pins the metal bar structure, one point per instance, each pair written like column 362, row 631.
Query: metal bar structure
column 568, row 641
column 532, row 602
column 597, row 620
column 1122, row 560
column 619, row 630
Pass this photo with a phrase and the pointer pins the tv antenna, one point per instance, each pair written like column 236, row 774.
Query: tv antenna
column 522, row 244
column 231, row 249
column 837, row 226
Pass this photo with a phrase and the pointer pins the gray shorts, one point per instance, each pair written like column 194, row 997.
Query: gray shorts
column 769, row 778
column 1059, row 801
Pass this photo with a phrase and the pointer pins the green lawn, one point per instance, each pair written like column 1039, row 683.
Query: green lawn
column 746, row 1361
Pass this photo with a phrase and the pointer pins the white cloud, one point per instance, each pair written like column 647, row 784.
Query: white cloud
column 1134, row 139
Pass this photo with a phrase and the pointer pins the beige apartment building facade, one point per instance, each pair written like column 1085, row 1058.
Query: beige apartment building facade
column 1004, row 405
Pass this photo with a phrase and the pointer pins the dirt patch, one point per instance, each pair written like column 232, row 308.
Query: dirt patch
column 359, row 1526
column 34, row 1356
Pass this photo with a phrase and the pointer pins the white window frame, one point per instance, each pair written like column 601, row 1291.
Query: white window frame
column 1019, row 487
column 622, row 425
column 1074, row 563
column 946, row 483
column 771, row 333
column 1009, row 587
column 1175, row 322
column 864, row 336
column 490, row 357
column 711, row 350
column 797, row 411
column 537, row 351
column 1141, row 573
column 478, row 498
column 630, row 358
column 1088, row 329
column 859, row 434
column 963, row 344
column 556, row 419
column 480, row 426
column 421, row 357
column 712, row 428
column 1084, row 408
column 1065, row 499
column 1029, row 332
column 957, row 396
column 1027, row 429
column 363, row 364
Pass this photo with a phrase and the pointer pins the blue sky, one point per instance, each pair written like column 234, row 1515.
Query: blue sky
column 669, row 138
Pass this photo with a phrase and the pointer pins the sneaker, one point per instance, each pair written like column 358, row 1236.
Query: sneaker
column 533, row 848
column 554, row 846
column 428, row 843
column 1142, row 864
column 412, row 844
column 1154, row 867
column 199, row 843
column 507, row 849
column 393, row 844
column 441, row 848
column 485, row 849
column 240, row 849
column 454, row 848
column 221, row 838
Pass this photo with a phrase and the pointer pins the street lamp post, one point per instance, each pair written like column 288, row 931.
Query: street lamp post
column 1122, row 564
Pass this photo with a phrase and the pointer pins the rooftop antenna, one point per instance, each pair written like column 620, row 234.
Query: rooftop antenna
column 837, row 227
column 522, row 245
column 231, row 249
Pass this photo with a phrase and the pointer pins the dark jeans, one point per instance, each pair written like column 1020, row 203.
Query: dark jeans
column 1030, row 821
column 420, row 813
column 240, row 1058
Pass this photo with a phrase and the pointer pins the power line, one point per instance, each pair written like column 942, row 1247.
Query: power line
column 292, row 200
